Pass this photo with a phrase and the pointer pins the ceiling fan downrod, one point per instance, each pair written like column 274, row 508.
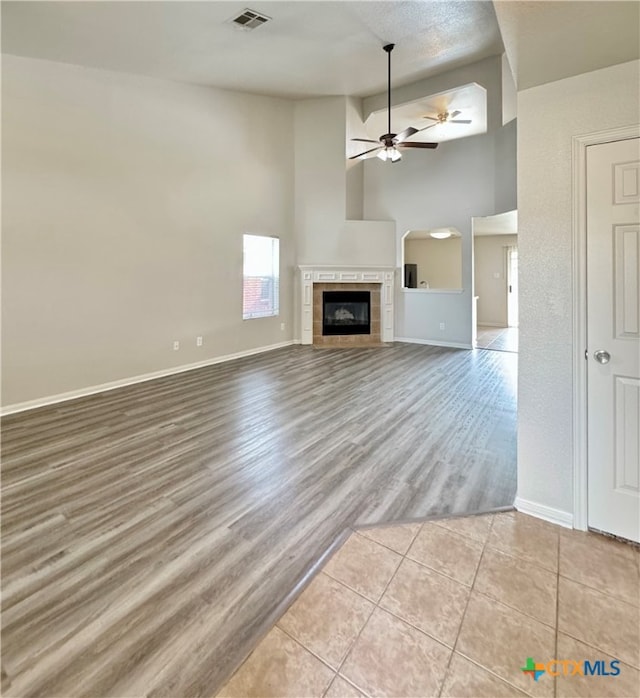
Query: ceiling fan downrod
column 387, row 146
column 388, row 48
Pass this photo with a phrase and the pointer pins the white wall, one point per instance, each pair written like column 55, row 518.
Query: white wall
column 509, row 92
column 548, row 116
column 489, row 259
column 125, row 200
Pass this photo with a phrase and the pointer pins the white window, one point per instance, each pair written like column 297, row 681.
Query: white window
column 261, row 276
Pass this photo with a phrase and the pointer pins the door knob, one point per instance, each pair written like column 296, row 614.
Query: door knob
column 602, row 356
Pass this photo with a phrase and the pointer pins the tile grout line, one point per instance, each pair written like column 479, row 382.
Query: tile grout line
column 464, row 613
column 496, row 676
column 599, row 590
column 312, row 652
column 516, row 610
column 376, row 604
column 617, row 599
column 357, row 637
column 522, row 558
column 350, row 588
column 306, row 649
column 599, row 649
column 439, row 572
column 481, row 666
column 470, row 587
column 485, row 546
column 527, row 561
column 572, row 634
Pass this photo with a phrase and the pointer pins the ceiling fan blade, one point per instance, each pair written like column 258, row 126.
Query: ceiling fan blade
column 461, row 121
column 366, row 152
column 424, row 128
column 454, row 114
column 405, row 134
column 364, row 140
column 433, row 118
column 411, row 144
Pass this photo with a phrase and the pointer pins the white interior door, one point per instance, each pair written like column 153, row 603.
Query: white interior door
column 613, row 337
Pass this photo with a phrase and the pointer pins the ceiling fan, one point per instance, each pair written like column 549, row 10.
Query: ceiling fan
column 445, row 118
column 389, row 143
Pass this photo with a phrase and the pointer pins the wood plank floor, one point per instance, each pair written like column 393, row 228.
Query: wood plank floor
column 151, row 534
column 497, row 338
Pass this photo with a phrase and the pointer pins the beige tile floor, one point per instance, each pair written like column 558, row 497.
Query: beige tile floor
column 454, row 607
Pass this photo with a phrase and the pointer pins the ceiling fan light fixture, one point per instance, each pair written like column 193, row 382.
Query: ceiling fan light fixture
column 390, row 153
column 389, row 143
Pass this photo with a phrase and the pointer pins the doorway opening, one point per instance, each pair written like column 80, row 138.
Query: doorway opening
column 512, row 286
column 495, row 282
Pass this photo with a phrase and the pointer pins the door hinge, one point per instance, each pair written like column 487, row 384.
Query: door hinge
column 586, row 354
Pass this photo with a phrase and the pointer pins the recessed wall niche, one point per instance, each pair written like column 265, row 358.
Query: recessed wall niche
column 432, row 259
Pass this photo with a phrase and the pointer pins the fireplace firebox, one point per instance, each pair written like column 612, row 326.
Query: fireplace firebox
column 346, row 312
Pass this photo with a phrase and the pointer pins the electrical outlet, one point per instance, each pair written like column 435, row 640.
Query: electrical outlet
column 176, row 345
column 442, row 325
column 198, row 341
column 282, row 325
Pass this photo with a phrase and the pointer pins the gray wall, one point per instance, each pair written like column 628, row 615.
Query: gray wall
column 327, row 191
column 548, row 117
column 444, row 187
column 124, row 211
column 474, row 176
column 125, row 200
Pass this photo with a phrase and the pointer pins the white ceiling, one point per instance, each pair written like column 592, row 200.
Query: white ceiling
column 470, row 100
column 321, row 48
column 551, row 40
column 308, row 49
column 426, row 234
column 500, row 224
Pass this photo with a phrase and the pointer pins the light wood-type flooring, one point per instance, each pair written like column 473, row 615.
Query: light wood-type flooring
column 153, row 534
column 497, row 338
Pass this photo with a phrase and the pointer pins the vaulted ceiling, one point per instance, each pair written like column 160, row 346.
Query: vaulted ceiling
column 324, row 48
column 307, row 49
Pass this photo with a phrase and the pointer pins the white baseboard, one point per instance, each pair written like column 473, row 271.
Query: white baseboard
column 433, row 343
column 541, row 511
column 112, row 385
column 492, row 324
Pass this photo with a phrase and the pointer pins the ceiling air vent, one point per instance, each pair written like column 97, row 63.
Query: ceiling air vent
column 249, row 19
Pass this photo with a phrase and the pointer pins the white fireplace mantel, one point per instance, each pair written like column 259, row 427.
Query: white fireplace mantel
column 320, row 274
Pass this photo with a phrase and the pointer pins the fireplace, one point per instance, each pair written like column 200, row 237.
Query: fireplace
column 346, row 312
column 376, row 282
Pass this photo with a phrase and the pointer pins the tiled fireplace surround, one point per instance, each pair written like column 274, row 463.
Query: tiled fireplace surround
column 314, row 280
